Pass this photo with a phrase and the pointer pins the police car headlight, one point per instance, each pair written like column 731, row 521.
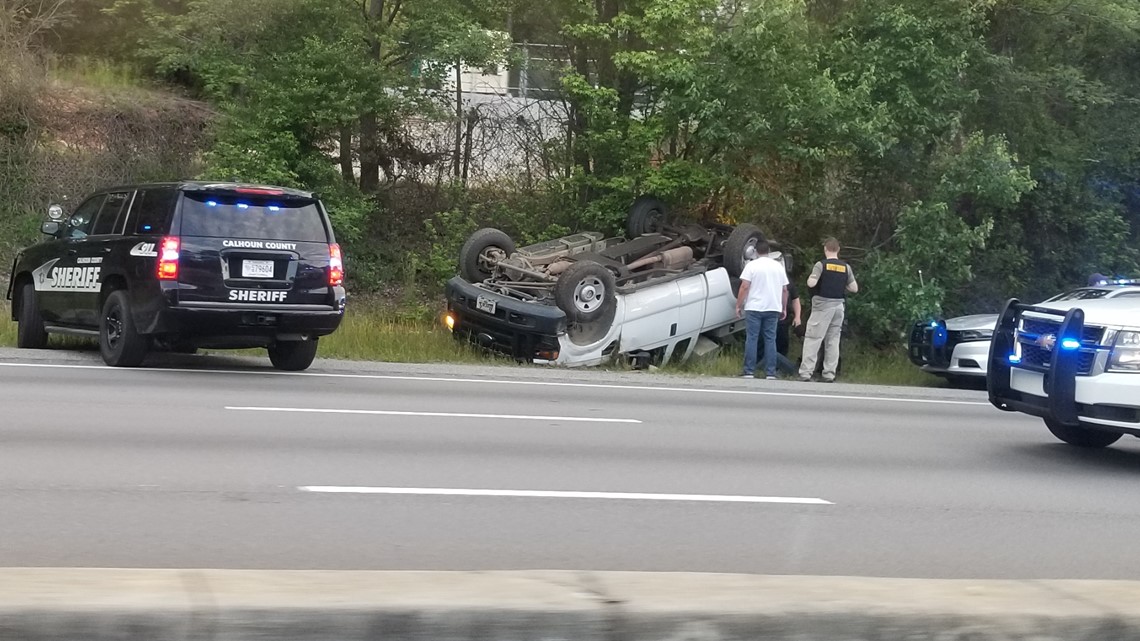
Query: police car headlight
column 975, row 335
column 1125, row 356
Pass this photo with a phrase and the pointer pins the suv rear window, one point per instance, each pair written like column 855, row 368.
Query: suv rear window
column 227, row 216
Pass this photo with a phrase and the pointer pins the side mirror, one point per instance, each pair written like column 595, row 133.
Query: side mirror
column 55, row 212
column 50, row 227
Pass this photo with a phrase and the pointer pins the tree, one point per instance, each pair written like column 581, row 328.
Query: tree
column 298, row 78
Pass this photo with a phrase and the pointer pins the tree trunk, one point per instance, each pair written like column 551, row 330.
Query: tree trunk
column 346, row 153
column 579, row 124
column 369, row 131
column 458, row 118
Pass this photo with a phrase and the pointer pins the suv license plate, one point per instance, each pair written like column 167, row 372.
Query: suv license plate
column 485, row 304
column 257, row 269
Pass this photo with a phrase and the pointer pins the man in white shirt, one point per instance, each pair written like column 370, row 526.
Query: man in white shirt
column 763, row 302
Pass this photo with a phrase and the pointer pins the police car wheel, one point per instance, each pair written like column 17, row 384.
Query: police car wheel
column 30, row 333
column 1082, row 436
column 293, row 356
column 120, row 344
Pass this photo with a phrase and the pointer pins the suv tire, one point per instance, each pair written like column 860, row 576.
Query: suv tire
column 293, row 356
column 30, row 333
column 120, row 344
column 1082, row 436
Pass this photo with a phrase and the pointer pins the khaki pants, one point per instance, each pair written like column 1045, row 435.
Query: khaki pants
column 824, row 326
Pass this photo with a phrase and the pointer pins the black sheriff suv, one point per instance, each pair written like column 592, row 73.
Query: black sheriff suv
column 182, row 266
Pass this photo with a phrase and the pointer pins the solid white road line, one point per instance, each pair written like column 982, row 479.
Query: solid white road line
column 552, row 494
column 500, row 382
column 517, row 417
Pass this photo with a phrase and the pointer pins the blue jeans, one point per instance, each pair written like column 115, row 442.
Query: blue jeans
column 758, row 323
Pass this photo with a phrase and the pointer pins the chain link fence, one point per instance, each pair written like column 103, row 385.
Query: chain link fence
column 70, row 142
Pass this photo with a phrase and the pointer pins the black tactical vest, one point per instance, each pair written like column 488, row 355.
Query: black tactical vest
column 833, row 281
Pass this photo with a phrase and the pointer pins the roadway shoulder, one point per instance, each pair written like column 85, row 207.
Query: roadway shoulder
column 581, row 376
column 241, row 605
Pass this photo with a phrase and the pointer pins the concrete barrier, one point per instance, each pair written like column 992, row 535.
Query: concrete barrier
column 246, row 605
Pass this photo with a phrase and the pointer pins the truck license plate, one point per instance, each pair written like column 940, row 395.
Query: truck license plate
column 485, row 304
column 257, row 269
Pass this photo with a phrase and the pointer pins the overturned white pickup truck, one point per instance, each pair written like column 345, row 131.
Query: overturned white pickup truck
column 662, row 293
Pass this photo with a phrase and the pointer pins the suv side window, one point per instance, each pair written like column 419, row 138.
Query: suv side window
column 79, row 224
column 152, row 211
column 109, row 214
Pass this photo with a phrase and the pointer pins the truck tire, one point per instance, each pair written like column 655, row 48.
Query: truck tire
column 741, row 238
column 293, row 356
column 30, row 333
column 472, row 255
column 586, row 291
column 120, row 344
column 646, row 216
column 1082, row 436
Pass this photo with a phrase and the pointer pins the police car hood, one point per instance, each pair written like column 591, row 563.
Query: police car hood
column 1105, row 312
column 972, row 322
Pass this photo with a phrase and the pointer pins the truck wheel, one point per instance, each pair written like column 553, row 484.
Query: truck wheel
column 586, row 292
column 293, row 356
column 741, row 238
column 475, row 254
column 1082, row 436
column 646, row 216
column 30, row 334
column 120, row 344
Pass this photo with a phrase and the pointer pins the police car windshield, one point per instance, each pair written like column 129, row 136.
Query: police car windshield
column 1080, row 294
column 223, row 216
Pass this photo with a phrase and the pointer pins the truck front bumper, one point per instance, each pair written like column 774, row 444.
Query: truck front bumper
column 524, row 330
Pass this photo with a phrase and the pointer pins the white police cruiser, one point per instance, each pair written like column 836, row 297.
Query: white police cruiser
column 1074, row 363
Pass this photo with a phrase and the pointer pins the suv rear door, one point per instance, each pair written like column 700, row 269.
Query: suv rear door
column 252, row 246
column 93, row 251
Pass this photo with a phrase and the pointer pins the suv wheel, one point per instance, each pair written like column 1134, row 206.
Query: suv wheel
column 119, row 341
column 293, row 356
column 1082, row 436
column 30, row 333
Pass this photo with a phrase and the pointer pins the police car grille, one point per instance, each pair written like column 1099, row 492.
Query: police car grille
column 1039, row 358
column 1089, row 335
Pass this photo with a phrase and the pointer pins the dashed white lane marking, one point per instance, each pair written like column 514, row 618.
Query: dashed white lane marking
column 552, row 494
column 502, row 382
column 515, row 417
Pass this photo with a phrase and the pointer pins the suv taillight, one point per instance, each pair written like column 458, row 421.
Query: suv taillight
column 336, row 266
column 168, row 258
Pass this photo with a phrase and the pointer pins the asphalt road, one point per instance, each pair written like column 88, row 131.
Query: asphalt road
column 207, row 462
